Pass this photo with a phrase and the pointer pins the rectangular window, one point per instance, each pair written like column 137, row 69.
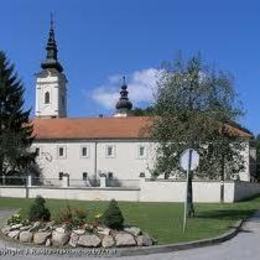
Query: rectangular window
column 141, row 152
column 37, row 151
column 84, row 151
column 84, row 176
column 110, row 151
column 60, row 175
column 61, row 151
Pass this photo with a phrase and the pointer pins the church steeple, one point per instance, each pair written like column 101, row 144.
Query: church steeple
column 51, row 89
column 51, row 61
column 124, row 105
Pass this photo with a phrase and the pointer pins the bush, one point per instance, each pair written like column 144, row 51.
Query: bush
column 73, row 216
column 38, row 211
column 113, row 216
column 15, row 219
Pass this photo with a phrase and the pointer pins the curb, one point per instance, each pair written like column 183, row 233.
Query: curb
column 182, row 246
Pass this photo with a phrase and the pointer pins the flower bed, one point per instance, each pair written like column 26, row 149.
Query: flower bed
column 71, row 229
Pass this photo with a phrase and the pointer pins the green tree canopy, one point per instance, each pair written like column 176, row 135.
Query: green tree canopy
column 193, row 105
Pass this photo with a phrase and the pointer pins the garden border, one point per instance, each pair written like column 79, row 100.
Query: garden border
column 134, row 251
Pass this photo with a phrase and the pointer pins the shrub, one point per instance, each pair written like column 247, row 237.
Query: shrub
column 113, row 216
column 73, row 216
column 15, row 219
column 38, row 211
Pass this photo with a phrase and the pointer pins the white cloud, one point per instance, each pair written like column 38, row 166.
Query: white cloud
column 141, row 86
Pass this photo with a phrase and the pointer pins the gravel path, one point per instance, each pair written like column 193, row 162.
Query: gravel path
column 244, row 246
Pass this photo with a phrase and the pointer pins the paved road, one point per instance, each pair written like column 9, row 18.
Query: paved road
column 246, row 245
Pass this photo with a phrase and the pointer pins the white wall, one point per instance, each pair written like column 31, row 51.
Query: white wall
column 149, row 191
column 125, row 164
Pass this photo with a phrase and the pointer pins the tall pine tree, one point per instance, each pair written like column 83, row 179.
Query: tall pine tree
column 15, row 128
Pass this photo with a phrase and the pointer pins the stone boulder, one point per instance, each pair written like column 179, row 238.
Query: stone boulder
column 16, row 226
column 144, row 240
column 60, row 238
column 48, row 242
column 135, row 231
column 74, row 238
column 36, row 225
column 125, row 239
column 89, row 240
column 24, row 228
column 103, row 231
column 108, row 241
column 14, row 234
column 79, row 231
column 26, row 237
column 5, row 230
column 40, row 238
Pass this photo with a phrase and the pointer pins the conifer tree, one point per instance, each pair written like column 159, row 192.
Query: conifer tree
column 15, row 128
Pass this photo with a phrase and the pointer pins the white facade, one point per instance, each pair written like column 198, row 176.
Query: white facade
column 124, row 160
column 51, row 95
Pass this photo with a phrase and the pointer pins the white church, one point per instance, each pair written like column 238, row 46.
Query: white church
column 117, row 147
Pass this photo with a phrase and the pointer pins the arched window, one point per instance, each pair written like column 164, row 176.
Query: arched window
column 47, row 98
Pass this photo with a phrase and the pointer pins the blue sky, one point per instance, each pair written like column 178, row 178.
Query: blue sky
column 101, row 40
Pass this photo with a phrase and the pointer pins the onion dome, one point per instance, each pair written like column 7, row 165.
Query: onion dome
column 124, row 104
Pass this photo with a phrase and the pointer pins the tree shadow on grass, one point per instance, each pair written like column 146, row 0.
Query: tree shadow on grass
column 225, row 214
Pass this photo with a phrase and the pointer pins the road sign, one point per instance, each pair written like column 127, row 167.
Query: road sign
column 184, row 160
column 189, row 161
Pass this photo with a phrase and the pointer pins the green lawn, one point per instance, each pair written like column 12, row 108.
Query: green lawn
column 161, row 220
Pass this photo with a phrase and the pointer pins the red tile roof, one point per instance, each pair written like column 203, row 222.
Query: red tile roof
column 99, row 128
column 91, row 128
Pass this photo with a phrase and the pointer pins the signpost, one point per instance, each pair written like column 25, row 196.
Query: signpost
column 189, row 161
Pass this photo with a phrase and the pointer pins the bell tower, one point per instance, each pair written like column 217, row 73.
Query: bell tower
column 123, row 105
column 51, row 90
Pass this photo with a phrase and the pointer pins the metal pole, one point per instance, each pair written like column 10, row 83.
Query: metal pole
column 186, row 197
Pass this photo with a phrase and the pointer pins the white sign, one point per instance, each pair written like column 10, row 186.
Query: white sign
column 194, row 160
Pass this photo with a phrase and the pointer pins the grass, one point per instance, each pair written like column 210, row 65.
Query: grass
column 161, row 220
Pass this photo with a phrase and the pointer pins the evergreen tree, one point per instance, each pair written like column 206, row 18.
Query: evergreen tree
column 15, row 128
column 195, row 105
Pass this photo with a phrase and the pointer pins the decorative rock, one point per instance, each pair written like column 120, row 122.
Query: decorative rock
column 108, row 241
column 103, row 231
column 60, row 230
column 40, row 238
column 79, row 231
column 36, row 226
column 26, row 237
column 50, row 223
column 5, row 230
column 88, row 227
column 144, row 240
column 60, row 238
column 89, row 241
column 135, row 231
column 48, row 242
column 14, row 234
column 25, row 227
column 74, row 238
column 17, row 226
column 124, row 239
